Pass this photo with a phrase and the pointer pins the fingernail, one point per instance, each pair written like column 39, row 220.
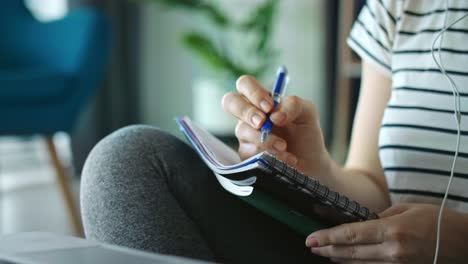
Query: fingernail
column 315, row 251
column 311, row 242
column 256, row 120
column 279, row 145
column 265, row 106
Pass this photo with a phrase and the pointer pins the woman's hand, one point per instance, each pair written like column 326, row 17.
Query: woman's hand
column 404, row 234
column 297, row 137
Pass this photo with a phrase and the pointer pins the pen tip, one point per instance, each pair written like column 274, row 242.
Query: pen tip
column 263, row 137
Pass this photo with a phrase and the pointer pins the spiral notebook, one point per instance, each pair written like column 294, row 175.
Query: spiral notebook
column 272, row 186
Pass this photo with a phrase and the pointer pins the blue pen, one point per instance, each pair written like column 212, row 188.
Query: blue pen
column 278, row 92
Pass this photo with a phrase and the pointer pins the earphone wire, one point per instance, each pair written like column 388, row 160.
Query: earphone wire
column 457, row 113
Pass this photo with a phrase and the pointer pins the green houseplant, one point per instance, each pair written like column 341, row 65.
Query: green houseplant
column 211, row 42
column 211, row 48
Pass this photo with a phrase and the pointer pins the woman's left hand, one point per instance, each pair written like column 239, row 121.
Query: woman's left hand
column 405, row 233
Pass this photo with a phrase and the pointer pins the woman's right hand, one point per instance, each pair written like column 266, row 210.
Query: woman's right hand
column 297, row 137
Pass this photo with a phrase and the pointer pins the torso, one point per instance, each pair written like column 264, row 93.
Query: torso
column 418, row 133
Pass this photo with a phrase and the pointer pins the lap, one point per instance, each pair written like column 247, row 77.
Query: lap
column 233, row 230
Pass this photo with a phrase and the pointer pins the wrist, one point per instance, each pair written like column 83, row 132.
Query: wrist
column 328, row 170
column 318, row 166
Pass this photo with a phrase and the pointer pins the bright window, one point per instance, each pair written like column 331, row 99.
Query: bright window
column 47, row 10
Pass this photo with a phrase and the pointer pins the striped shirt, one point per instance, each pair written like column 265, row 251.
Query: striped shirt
column 418, row 133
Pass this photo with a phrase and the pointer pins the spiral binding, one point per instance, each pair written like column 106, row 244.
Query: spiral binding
column 313, row 188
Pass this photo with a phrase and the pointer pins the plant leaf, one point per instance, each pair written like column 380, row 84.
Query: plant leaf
column 215, row 14
column 204, row 49
column 265, row 29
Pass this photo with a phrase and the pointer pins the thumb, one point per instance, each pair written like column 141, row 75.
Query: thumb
column 294, row 109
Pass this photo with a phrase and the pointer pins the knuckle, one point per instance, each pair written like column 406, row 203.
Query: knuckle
column 248, row 113
column 297, row 106
column 350, row 235
column 273, row 151
column 243, row 82
column 294, row 100
column 226, row 100
column 292, row 104
column 257, row 95
column 382, row 234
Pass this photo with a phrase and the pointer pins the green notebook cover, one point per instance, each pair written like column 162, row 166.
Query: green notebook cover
column 283, row 213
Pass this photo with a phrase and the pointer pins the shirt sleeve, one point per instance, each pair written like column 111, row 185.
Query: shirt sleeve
column 373, row 32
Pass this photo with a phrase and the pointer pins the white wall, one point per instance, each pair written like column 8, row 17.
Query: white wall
column 168, row 70
column 301, row 37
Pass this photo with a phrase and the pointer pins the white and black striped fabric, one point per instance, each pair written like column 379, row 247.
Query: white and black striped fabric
column 418, row 133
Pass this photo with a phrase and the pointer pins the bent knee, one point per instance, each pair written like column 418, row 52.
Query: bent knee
column 133, row 137
column 128, row 151
column 124, row 147
column 120, row 164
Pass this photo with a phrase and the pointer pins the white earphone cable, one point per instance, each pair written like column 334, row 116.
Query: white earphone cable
column 457, row 113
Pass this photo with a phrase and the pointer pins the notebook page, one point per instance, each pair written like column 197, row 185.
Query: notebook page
column 232, row 187
column 218, row 156
column 220, row 151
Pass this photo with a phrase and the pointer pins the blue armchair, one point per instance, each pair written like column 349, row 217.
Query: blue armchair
column 48, row 72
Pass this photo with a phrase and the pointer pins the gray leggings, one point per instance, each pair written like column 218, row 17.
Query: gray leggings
column 145, row 189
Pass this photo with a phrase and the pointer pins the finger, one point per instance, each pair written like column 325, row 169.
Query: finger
column 367, row 232
column 250, row 144
column 287, row 157
column 394, row 210
column 235, row 104
column 352, row 252
column 246, row 133
column 247, row 150
column 249, row 87
column 293, row 108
